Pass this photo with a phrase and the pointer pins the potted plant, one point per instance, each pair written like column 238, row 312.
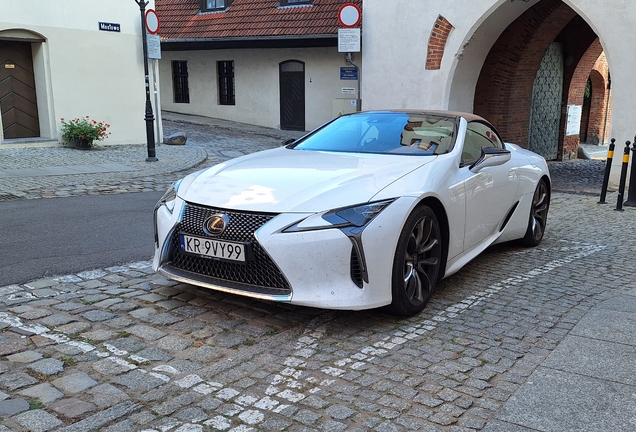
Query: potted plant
column 82, row 133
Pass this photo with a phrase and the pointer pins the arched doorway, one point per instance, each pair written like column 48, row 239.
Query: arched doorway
column 502, row 69
column 292, row 95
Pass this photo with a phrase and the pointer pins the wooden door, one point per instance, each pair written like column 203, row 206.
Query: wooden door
column 292, row 95
column 18, row 103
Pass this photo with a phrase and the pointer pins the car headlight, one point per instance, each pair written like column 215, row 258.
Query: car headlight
column 168, row 198
column 354, row 216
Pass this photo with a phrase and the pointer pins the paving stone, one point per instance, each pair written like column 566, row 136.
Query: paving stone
column 9, row 407
column 72, row 408
column 127, row 344
column 69, row 306
column 154, row 354
column 48, row 366
column 73, row 328
column 96, row 421
column 44, row 392
column 57, row 320
column 25, row 357
column 146, row 332
column 38, row 421
column 99, row 335
column 106, row 395
column 7, row 348
column 35, row 314
column 98, row 315
column 16, row 380
column 162, row 319
column 138, row 381
column 74, row 383
column 174, row 343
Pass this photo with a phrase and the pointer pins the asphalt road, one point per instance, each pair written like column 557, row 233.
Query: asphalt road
column 58, row 236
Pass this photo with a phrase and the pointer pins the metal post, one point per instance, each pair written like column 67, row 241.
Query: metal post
column 359, row 90
column 631, row 196
column 149, row 117
column 621, row 186
column 608, row 167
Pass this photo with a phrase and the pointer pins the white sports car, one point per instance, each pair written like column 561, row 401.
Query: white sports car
column 370, row 209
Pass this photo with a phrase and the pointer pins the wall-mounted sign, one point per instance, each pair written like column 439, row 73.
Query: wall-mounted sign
column 348, row 90
column 574, row 120
column 348, row 73
column 111, row 27
column 9, row 66
column 349, row 40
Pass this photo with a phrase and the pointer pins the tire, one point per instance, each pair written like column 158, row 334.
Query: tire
column 538, row 215
column 416, row 264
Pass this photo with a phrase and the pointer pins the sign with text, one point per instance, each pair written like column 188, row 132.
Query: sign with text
column 349, row 40
column 348, row 73
column 153, row 42
column 574, row 120
column 111, row 27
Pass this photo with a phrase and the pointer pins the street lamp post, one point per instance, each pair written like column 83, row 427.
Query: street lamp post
column 150, row 130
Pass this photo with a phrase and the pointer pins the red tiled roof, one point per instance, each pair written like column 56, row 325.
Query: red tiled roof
column 182, row 19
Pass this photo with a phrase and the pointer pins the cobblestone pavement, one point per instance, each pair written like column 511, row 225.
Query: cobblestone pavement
column 206, row 146
column 122, row 349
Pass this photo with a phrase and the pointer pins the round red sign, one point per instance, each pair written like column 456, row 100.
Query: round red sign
column 152, row 21
column 349, row 15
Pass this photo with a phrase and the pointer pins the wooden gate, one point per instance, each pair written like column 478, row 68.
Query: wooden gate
column 18, row 103
column 292, row 95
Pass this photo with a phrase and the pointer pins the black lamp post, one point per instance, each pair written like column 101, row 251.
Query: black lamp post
column 150, row 119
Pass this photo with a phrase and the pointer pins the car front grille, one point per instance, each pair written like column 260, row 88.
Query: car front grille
column 259, row 275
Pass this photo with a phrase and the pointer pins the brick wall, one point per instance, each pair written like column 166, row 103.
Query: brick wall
column 437, row 42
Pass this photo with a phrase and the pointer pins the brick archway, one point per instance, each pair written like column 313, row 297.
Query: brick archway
column 503, row 93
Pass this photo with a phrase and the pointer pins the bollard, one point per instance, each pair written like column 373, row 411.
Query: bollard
column 621, row 186
column 631, row 194
column 608, row 167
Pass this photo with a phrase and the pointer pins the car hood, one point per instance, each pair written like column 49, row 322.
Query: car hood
column 286, row 180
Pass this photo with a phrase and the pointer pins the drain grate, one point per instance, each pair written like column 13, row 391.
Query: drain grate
column 8, row 197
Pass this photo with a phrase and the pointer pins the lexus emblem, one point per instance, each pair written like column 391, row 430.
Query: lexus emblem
column 216, row 224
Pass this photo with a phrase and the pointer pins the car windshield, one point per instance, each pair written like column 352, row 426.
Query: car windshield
column 384, row 132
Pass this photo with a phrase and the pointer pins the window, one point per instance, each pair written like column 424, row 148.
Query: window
column 212, row 5
column 295, row 2
column 180, row 82
column 225, row 71
column 479, row 135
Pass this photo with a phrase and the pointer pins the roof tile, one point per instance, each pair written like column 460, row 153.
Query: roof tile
column 182, row 19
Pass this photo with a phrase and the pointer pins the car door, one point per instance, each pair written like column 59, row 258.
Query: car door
column 490, row 191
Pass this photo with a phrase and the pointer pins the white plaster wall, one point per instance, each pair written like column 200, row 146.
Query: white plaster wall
column 257, row 83
column 83, row 71
column 395, row 39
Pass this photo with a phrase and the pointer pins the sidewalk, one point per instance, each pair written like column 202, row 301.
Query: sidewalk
column 586, row 383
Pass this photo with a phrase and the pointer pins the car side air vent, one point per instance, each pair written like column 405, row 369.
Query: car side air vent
column 508, row 216
column 356, row 270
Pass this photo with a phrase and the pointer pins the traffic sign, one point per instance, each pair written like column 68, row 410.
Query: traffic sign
column 152, row 21
column 349, row 15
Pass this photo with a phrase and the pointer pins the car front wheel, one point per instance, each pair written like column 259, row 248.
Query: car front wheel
column 416, row 263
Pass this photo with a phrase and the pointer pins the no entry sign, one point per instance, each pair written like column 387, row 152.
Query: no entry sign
column 349, row 15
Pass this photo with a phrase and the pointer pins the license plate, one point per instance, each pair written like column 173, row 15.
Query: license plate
column 224, row 250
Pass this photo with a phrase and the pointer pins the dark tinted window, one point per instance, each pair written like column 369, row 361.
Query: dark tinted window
column 478, row 135
column 385, row 132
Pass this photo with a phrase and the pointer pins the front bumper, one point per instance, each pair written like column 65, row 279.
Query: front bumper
column 317, row 267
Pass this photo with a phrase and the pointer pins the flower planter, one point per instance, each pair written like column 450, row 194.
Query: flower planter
column 82, row 144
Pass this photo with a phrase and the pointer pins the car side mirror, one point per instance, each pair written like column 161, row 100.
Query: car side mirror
column 490, row 156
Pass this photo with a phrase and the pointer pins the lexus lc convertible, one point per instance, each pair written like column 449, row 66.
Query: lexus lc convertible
column 371, row 209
